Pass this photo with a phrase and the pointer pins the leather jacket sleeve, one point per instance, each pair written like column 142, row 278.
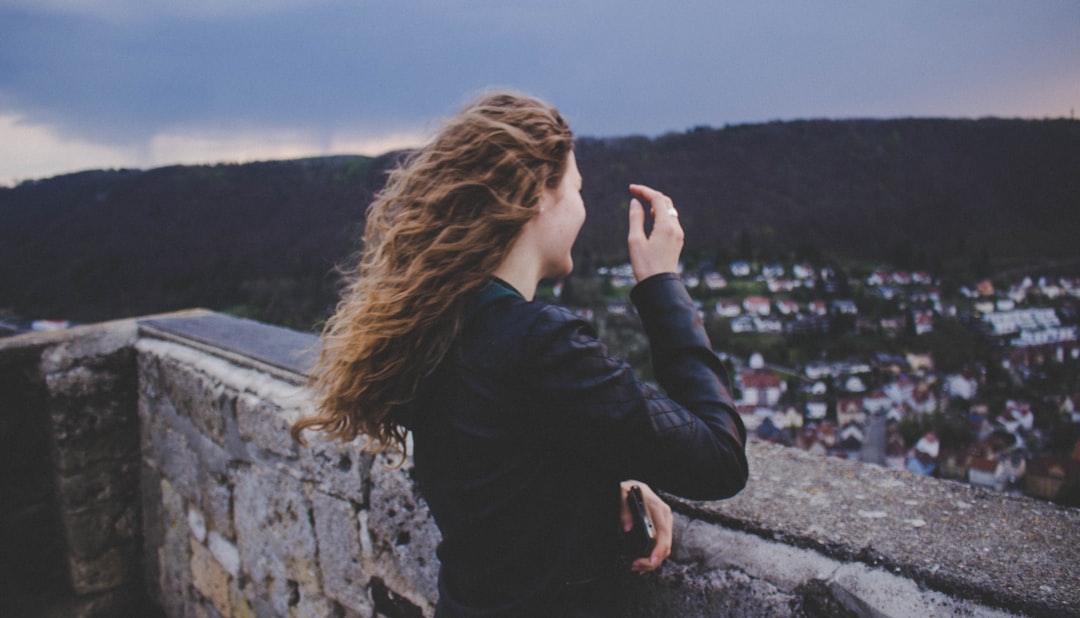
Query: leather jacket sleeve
column 689, row 441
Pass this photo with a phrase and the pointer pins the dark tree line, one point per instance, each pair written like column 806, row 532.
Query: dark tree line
column 958, row 197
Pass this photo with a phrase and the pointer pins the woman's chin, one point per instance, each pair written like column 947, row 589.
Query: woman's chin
column 564, row 272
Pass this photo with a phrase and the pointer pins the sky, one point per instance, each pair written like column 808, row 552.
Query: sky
column 94, row 84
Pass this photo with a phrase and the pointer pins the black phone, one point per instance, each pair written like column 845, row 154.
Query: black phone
column 641, row 539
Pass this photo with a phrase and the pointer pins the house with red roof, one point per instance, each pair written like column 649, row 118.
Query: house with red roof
column 761, row 387
column 757, row 305
column 982, row 471
column 850, row 410
column 715, row 281
column 924, row 322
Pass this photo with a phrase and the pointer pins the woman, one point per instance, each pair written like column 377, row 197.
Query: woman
column 525, row 429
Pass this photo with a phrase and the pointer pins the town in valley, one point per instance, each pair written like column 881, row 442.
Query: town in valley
column 977, row 385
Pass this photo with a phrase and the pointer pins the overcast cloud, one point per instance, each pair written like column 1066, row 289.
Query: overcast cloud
column 139, row 83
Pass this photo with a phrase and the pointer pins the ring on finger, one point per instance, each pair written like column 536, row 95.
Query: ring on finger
column 672, row 212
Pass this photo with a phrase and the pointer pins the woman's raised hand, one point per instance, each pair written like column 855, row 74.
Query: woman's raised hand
column 659, row 252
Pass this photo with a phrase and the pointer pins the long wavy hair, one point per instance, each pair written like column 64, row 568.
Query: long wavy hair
column 442, row 224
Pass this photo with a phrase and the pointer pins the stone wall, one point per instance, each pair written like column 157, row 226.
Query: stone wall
column 244, row 521
column 72, row 523
column 178, row 490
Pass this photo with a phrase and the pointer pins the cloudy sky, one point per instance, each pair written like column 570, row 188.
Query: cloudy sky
column 141, row 83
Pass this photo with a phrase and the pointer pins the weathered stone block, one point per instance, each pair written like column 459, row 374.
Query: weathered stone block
column 153, row 533
column 335, row 468
column 90, row 403
column 91, row 531
column 84, row 402
column 117, row 443
column 177, row 461
column 403, row 535
column 200, row 398
column 106, row 481
column 217, row 503
column 264, row 424
column 191, row 461
column 276, row 539
column 337, row 529
column 210, row 579
column 224, row 552
column 99, row 573
column 174, row 554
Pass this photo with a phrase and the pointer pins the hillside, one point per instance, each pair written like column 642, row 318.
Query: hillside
column 261, row 239
column 865, row 189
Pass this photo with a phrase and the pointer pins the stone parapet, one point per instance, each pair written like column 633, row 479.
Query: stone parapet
column 249, row 523
column 174, row 478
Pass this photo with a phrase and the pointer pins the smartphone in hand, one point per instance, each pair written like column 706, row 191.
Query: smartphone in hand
column 639, row 542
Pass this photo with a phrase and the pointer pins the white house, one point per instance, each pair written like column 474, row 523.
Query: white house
column 854, row 384
column 742, row 324
column 728, row 308
column 802, row 271
column 772, row 271
column 816, row 409
column 768, row 325
column 740, row 269
column 960, row 386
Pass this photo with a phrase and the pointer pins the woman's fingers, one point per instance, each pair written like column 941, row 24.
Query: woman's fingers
column 648, row 194
column 662, row 208
column 627, row 518
column 637, row 222
column 663, row 522
column 658, row 252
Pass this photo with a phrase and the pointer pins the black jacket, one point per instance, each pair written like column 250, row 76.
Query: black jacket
column 523, row 434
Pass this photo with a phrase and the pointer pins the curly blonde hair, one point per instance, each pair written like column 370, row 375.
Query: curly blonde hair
column 443, row 223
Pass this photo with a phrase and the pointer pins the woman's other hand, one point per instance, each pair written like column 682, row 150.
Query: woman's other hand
column 658, row 252
column 662, row 521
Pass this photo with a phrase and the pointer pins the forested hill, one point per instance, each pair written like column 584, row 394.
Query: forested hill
column 261, row 239
column 908, row 190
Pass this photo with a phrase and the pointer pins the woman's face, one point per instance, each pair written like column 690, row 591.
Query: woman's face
column 562, row 213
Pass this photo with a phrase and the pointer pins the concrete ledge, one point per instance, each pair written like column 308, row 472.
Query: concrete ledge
column 285, row 353
column 794, row 572
column 969, row 543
